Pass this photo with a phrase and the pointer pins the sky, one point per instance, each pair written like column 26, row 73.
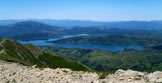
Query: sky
column 98, row 10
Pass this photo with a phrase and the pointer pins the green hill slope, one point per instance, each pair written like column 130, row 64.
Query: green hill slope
column 13, row 51
column 149, row 59
column 117, row 39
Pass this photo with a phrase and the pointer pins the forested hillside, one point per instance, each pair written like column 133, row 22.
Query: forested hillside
column 149, row 59
column 116, row 39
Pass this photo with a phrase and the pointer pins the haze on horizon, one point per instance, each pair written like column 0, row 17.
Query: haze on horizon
column 98, row 10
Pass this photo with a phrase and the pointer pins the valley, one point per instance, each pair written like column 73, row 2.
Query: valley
column 149, row 59
column 93, row 49
column 98, row 50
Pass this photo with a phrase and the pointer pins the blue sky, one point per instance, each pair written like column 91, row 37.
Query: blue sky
column 100, row 10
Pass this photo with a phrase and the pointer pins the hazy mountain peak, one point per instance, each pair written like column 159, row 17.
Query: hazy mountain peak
column 29, row 23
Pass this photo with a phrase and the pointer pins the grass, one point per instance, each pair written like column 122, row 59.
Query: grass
column 18, row 51
column 102, row 75
column 1, row 38
column 15, row 52
column 12, row 59
column 59, row 62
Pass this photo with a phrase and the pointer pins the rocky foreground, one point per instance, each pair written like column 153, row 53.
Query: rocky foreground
column 17, row 73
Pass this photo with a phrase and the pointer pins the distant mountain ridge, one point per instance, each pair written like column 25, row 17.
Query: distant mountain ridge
column 29, row 30
column 63, row 23
column 41, row 29
column 87, row 23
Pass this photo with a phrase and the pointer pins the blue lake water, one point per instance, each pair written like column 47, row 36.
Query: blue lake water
column 84, row 46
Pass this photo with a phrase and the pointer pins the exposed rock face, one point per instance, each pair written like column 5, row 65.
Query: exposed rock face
column 155, row 77
column 17, row 73
column 13, row 72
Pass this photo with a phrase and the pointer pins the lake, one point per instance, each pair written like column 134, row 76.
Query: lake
column 83, row 46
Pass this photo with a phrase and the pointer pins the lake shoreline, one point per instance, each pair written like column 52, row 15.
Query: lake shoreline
column 82, row 46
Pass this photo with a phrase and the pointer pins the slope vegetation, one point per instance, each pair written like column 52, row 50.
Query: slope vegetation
column 120, row 39
column 149, row 59
column 12, row 51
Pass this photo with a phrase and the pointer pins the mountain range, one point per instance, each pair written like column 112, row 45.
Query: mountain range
column 29, row 30
column 154, row 24
column 44, row 29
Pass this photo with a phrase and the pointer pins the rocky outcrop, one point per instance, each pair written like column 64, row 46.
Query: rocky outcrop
column 155, row 77
column 17, row 73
